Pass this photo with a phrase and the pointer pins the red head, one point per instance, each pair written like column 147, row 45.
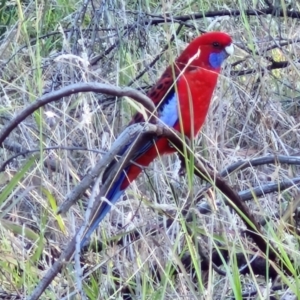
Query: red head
column 213, row 48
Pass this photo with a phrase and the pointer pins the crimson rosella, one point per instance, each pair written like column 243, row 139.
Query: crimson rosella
column 182, row 96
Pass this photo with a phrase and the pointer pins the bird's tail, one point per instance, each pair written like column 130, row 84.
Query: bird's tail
column 115, row 192
column 119, row 186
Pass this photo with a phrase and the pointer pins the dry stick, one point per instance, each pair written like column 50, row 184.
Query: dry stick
column 269, row 188
column 74, row 89
column 96, row 58
column 146, row 132
column 270, row 159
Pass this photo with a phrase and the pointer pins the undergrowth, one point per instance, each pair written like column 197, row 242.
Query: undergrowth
column 137, row 253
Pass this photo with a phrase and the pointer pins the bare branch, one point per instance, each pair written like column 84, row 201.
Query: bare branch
column 74, row 89
column 270, row 159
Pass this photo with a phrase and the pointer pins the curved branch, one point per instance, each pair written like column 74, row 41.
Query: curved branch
column 270, row 159
column 75, row 89
column 268, row 188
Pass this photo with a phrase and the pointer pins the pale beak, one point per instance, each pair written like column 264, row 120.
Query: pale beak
column 229, row 49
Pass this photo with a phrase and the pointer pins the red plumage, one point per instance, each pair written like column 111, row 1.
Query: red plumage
column 195, row 86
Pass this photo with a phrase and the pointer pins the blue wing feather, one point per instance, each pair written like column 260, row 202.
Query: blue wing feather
column 168, row 112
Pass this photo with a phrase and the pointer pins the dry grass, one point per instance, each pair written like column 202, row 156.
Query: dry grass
column 252, row 115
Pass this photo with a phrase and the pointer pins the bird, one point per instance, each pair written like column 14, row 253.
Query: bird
column 182, row 98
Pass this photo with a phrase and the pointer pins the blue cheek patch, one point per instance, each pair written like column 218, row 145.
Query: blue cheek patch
column 216, row 59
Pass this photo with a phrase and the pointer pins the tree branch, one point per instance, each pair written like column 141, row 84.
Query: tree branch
column 74, row 89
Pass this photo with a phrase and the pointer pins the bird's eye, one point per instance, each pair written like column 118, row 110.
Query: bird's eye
column 216, row 44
